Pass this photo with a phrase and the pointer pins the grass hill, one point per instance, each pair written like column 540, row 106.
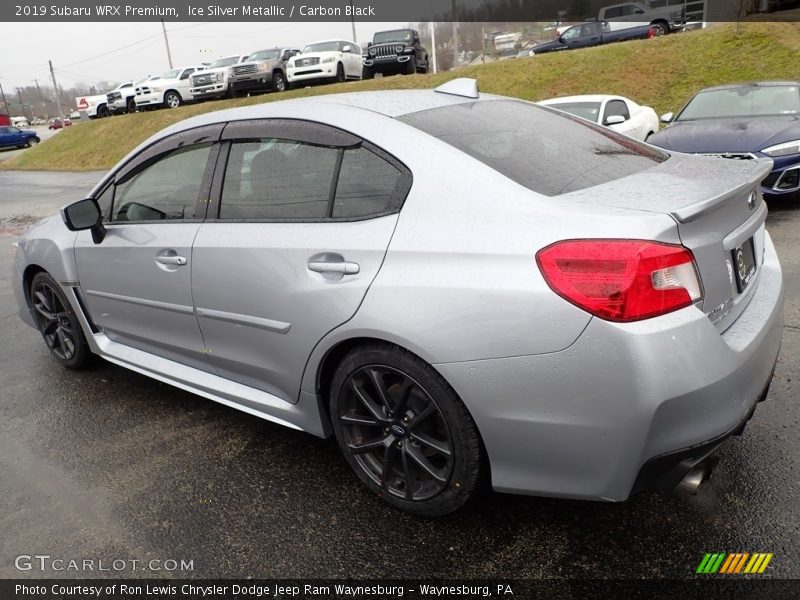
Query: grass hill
column 662, row 73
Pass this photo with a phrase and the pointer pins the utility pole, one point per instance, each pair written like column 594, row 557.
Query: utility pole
column 44, row 108
column 55, row 87
column 353, row 21
column 21, row 105
column 166, row 42
column 433, row 44
column 5, row 102
column 483, row 44
column 455, row 36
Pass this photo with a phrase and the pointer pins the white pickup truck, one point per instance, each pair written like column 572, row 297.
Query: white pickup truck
column 665, row 19
column 213, row 82
column 170, row 90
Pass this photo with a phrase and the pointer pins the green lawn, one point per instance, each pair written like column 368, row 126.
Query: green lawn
column 662, row 73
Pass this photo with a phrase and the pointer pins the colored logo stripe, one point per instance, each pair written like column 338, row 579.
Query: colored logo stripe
column 735, row 562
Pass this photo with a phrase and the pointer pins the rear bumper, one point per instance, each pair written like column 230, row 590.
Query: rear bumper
column 583, row 422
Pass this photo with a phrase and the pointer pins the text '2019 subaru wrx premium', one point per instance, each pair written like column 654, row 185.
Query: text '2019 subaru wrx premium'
column 399, row 270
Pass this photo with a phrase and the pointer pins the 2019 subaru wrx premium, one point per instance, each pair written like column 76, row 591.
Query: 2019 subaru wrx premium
column 579, row 328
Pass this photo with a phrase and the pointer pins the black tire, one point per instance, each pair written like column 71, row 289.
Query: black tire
column 660, row 28
column 340, row 75
column 172, row 99
column 414, row 423
column 130, row 106
column 367, row 73
column 32, row 142
column 410, row 67
column 103, row 112
column 58, row 323
column 423, row 68
column 278, row 82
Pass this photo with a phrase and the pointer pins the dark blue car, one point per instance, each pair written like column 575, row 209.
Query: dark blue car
column 743, row 121
column 14, row 136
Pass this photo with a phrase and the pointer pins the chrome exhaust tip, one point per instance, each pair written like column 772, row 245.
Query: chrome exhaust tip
column 692, row 480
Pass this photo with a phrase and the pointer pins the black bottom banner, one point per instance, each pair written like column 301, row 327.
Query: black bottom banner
column 258, row 589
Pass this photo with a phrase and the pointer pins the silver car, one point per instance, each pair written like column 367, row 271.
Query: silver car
column 462, row 288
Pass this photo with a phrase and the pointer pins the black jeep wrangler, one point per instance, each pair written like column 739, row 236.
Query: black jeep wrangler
column 396, row 51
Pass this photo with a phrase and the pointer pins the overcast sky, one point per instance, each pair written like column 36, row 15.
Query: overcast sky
column 91, row 52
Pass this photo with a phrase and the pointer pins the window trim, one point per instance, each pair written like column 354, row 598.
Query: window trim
column 156, row 152
column 310, row 132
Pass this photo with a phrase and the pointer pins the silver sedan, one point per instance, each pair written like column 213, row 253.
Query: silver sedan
column 400, row 270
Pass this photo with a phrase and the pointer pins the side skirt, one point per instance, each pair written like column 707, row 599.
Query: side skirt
column 306, row 415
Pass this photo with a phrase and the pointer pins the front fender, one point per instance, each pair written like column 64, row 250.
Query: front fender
column 47, row 246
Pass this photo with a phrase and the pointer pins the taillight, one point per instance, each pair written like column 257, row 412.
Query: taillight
column 621, row 280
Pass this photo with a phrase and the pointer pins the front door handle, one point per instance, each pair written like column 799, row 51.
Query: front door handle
column 343, row 267
column 171, row 260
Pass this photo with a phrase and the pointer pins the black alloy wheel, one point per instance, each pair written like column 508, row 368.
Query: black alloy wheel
column 404, row 431
column 57, row 322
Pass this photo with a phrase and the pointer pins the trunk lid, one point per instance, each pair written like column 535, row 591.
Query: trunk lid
column 720, row 215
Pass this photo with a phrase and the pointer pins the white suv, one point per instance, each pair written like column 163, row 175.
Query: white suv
column 330, row 60
column 171, row 90
column 213, row 82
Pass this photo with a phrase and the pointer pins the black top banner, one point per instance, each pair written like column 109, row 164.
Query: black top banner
column 395, row 11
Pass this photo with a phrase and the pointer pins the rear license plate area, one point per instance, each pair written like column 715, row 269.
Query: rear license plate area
column 744, row 264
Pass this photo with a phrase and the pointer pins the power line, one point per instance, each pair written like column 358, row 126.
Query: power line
column 141, row 41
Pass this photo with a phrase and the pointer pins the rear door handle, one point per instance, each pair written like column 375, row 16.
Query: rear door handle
column 171, row 260
column 344, row 267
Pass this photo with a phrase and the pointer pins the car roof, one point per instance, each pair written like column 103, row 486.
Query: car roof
column 733, row 86
column 353, row 107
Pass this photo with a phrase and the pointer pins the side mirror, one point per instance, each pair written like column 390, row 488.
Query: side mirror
column 667, row 117
column 614, row 120
column 346, row 48
column 85, row 214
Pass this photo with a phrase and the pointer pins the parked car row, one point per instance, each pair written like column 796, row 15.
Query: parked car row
column 267, row 70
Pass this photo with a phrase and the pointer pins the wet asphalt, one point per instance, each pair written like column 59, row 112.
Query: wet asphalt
column 109, row 464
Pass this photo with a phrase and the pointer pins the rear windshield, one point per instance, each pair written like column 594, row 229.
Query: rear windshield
column 548, row 152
